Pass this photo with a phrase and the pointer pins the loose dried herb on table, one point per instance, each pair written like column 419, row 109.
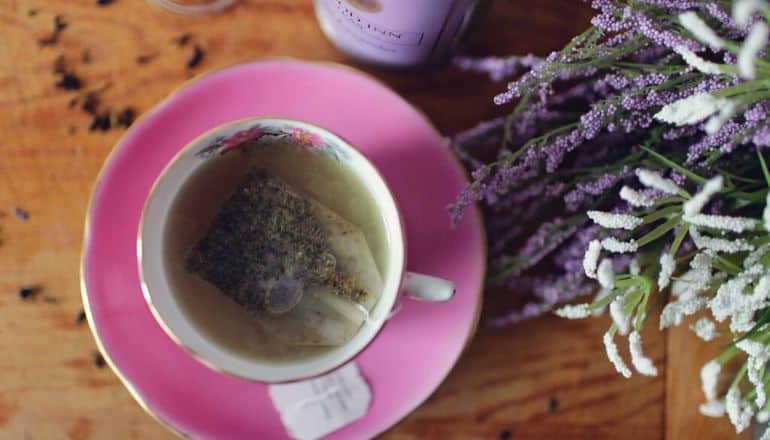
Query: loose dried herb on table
column 58, row 26
column 262, row 233
column 196, row 57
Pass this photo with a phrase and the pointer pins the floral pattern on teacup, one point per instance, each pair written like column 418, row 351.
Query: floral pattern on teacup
column 236, row 139
column 306, row 138
column 252, row 137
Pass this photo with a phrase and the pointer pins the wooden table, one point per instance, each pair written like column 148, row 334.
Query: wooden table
column 547, row 378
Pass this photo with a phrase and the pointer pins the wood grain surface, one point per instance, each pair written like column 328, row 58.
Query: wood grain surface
column 547, row 378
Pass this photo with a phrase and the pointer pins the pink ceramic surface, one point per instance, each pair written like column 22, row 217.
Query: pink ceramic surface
column 415, row 350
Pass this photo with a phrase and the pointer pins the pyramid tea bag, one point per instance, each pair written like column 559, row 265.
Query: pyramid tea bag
column 306, row 273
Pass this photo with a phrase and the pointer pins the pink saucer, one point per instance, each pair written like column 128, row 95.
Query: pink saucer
column 416, row 349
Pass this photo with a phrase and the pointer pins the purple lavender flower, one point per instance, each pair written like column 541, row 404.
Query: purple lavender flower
column 586, row 111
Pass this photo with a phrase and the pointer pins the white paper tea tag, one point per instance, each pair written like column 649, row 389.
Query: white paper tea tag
column 312, row 408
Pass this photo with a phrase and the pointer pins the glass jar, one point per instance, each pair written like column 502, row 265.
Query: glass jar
column 399, row 33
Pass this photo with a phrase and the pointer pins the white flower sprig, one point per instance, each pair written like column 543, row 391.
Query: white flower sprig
column 591, row 258
column 709, row 376
column 605, row 275
column 619, row 318
column 739, row 411
column 700, row 30
column 744, row 9
column 719, row 244
column 574, row 312
column 753, row 44
column 612, row 244
column 614, row 221
column 641, row 363
column 614, row 356
column 766, row 213
column 723, row 222
column 690, row 110
column 697, row 62
column 695, row 205
column 713, row 408
column 667, row 268
column 705, row 329
column 635, row 198
column 652, row 179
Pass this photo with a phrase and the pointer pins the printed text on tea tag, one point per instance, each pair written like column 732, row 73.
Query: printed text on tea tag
column 312, row 408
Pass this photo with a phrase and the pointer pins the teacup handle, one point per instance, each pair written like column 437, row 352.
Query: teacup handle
column 428, row 288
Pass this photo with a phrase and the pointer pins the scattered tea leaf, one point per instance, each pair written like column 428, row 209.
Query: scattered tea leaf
column 100, row 122
column 81, row 318
column 60, row 64
column 32, row 12
column 69, row 81
column 125, row 117
column 85, row 56
column 181, row 40
column 90, row 103
column 505, row 434
column 146, row 58
column 99, row 361
column 21, row 214
column 553, row 404
column 28, row 292
column 58, row 26
column 196, row 58
column 104, row 2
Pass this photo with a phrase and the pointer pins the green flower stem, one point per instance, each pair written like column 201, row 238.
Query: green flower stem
column 739, row 375
column 659, row 231
column 603, row 301
column 744, row 88
column 667, row 200
column 621, row 285
column 753, row 392
column 516, row 154
column 727, row 266
column 647, row 287
column 661, row 213
column 760, row 240
column 673, row 165
column 751, row 197
column 520, row 106
column 651, row 67
column 762, row 163
column 632, row 300
column 728, row 354
column 765, row 382
column 765, row 377
column 678, row 239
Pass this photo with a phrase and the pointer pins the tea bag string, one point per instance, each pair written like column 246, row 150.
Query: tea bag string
column 369, row 318
column 364, row 310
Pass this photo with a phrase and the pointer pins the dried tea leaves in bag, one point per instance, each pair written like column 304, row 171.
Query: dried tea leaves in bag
column 306, row 273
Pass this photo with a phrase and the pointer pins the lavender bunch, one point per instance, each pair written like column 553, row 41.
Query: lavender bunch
column 635, row 158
